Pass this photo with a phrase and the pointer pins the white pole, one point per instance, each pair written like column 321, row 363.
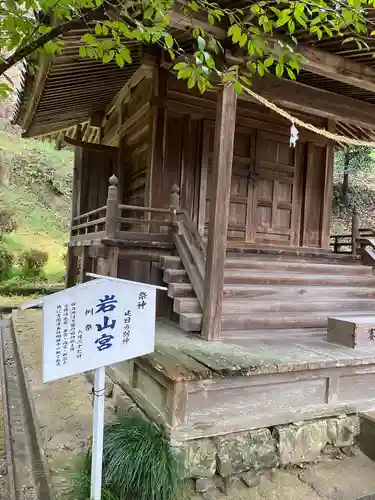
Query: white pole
column 97, row 434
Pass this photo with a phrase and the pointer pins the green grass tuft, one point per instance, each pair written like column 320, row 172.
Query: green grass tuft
column 75, row 481
column 138, row 464
column 139, row 460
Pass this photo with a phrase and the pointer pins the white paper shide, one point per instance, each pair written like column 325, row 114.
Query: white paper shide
column 96, row 324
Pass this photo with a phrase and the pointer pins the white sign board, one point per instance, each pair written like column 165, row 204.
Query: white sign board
column 96, row 324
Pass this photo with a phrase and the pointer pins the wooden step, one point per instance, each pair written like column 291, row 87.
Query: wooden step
column 279, row 278
column 285, row 252
column 191, row 322
column 298, row 292
column 175, row 276
column 284, row 292
column 170, row 262
column 271, row 265
column 242, row 337
column 248, row 305
column 181, row 290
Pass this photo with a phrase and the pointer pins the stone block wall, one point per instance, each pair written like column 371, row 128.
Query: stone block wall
column 267, row 448
column 248, row 454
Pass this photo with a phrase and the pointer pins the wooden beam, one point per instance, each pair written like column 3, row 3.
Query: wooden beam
column 219, row 212
column 93, row 147
column 37, row 92
column 314, row 101
column 338, row 68
column 315, row 61
column 146, row 70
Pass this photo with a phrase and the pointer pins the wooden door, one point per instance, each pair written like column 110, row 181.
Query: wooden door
column 275, row 207
column 241, row 185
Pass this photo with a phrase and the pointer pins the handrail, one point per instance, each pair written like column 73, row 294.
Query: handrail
column 192, row 252
column 367, row 246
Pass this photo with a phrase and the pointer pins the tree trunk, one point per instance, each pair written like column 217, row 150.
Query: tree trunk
column 345, row 180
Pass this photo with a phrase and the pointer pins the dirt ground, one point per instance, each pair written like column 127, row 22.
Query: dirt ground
column 64, row 411
column 64, row 407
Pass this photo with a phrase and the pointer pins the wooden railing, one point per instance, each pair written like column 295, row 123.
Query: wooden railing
column 360, row 242
column 115, row 221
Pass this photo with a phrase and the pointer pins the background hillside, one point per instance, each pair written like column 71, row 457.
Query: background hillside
column 35, row 184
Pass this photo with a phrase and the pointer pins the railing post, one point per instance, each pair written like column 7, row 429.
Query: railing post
column 336, row 245
column 112, row 208
column 355, row 232
column 174, row 204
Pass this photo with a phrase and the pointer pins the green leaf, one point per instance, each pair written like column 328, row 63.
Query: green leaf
column 148, row 13
column 292, row 76
column 179, row 66
column 260, row 69
column 82, row 51
column 98, row 29
column 268, row 62
column 291, row 26
column 201, row 84
column 279, row 70
column 184, row 73
column 238, row 88
column 120, row 60
column 191, row 81
column 44, row 29
column 211, row 19
column 89, row 39
column 201, row 43
column 107, row 58
column 243, row 40
column 168, row 41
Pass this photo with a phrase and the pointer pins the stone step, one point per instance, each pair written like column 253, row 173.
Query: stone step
column 191, row 322
column 248, row 305
column 271, row 265
column 280, row 278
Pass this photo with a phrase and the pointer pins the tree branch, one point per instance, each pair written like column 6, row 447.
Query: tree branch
column 55, row 32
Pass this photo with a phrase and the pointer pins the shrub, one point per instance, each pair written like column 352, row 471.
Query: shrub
column 32, row 262
column 6, row 262
column 7, row 222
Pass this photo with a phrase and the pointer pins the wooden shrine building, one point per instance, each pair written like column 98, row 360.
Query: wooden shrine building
column 204, row 195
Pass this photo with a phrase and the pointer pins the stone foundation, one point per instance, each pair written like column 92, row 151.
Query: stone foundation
column 246, row 455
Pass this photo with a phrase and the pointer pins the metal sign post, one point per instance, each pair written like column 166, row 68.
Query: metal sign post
column 97, row 434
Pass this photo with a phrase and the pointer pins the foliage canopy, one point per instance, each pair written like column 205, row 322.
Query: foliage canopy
column 263, row 32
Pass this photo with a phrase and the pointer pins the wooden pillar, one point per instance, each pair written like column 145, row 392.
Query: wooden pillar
column 355, row 232
column 219, row 212
column 328, row 189
column 112, row 208
column 71, row 274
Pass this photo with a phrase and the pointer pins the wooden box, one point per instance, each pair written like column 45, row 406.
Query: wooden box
column 352, row 331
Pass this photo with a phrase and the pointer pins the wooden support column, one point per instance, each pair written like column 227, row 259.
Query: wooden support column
column 219, row 212
column 71, row 271
column 355, row 232
column 328, row 189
